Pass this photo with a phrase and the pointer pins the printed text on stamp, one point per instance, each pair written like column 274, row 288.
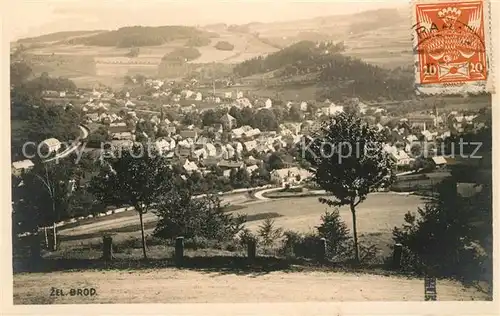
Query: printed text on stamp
column 451, row 42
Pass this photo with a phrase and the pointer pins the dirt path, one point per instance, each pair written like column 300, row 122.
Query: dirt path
column 172, row 285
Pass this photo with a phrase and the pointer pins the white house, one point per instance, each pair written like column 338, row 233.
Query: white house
column 290, row 176
column 50, row 145
column 189, row 166
column 268, row 104
column 23, row 165
column 303, row 106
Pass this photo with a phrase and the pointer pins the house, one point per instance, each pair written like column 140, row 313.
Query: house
column 50, row 145
column 243, row 103
column 189, row 166
column 422, row 120
column 120, row 127
column 163, row 145
column 439, row 161
column 123, row 136
column 199, row 154
column 251, row 169
column 18, row 167
column 268, row 104
column 304, row 106
column 291, row 175
column 228, row 95
column 398, row 155
column 225, row 164
column 129, row 103
column 198, row 96
column 92, row 117
column 211, row 150
column 228, row 121
column 250, row 145
column 188, row 134
column 239, row 94
column 186, row 93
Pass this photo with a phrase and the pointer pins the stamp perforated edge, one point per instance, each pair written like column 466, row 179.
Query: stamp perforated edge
column 473, row 87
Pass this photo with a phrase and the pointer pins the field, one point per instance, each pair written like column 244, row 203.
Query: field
column 376, row 218
column 386, row 42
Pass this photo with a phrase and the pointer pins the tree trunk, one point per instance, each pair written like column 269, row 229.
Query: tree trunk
column 355, row 233
column 54, row 246
column 46, row 237
column 143, row 236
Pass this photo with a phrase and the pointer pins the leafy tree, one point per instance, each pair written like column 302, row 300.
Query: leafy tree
column 182, row 215
column 239, row 178
column 138, row 177
column 98, row 137
column 275, row 161
column 45, row 195
column 19, row 72
column 134, row 52
column 264, row 120
column 294, row 114
column 350, row 162
column 210, row 117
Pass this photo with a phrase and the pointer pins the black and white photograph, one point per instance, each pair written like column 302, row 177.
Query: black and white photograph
column 250, row 151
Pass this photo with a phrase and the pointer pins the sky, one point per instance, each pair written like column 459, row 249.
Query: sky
column 35, row 17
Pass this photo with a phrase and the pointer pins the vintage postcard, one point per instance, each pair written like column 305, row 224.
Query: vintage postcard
column 166, row 152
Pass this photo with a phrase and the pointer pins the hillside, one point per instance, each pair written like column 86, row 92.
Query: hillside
column 379, row 37
column 58, row 36
column 137, row 36
column 326, row 66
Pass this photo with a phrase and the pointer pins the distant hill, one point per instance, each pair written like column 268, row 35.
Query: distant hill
column 58, row 36
column 137, row 36
column 323, row 64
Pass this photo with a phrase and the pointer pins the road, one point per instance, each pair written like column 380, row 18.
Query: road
column 84, row 134
column 189, row 286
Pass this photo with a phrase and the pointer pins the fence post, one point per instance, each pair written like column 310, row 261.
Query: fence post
column 107, row 247
column 251, row 249
column 35, row 248
column 179, row 250
column 396, row 256
column 321, row 250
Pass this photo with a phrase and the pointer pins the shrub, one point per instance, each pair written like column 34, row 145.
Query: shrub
column 182, row 54
column 223, row 45
column 268, row 233
column 181, row 215
column 449, row 236
column 336, row 233
column 245, row 236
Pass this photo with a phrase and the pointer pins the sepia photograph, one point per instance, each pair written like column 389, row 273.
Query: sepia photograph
column 250, row 151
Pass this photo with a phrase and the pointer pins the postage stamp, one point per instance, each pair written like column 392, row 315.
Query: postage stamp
column 452, row 47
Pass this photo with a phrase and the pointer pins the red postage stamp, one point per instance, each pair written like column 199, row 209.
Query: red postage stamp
column 451, row 43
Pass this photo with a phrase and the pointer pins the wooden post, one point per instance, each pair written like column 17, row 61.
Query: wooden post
column 179, row 250
column 35, row 248
column 251, row 249
column 107, row 247
column 396, row 256
column 321, row 250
